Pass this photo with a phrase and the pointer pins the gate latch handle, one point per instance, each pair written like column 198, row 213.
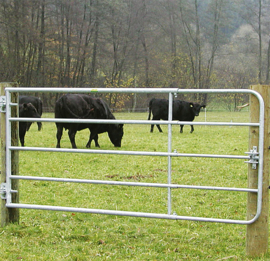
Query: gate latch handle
column 253, row 157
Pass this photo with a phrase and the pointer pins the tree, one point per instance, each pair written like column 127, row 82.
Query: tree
column 256, row 15
column 202, row 57
column 131, row 43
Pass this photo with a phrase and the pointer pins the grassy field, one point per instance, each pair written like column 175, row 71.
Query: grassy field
column 49, row 235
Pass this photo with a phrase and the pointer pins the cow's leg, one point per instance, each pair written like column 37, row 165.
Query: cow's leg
column 93, row 137
column 191, row 128
column 181, row 128
column 160, row 130
column 152, row 126
column 88, row 144
column 22, row 131
column 72, row 134
column 59, row 134
column 96, row 141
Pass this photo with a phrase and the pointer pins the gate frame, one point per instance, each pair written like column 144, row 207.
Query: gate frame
column 251, row 191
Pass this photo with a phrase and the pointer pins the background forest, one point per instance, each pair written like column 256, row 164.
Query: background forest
column 136, row 43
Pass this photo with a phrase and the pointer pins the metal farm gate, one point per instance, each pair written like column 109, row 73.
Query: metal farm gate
column 254, row 157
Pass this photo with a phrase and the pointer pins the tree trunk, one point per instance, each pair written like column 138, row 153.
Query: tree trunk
column 94, row 55
column 40, row 63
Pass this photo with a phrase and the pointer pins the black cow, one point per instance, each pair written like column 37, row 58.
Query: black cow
column 37, row 104
column 83, row 106
column 26, row 110
column 182, row 111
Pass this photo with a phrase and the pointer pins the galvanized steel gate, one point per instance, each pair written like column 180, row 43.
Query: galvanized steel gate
column 254, row 157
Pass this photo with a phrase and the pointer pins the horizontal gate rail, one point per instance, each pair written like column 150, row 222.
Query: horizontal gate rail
column 134, row 153
column 135, row 184
column 128, row 90
column 169, row 154
column 137, row 122
column 128, row 213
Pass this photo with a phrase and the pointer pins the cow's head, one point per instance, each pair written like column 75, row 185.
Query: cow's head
column 196, row 108
column 116, row 133
column 28, row 110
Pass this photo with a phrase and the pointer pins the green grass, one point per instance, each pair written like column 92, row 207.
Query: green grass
column 49, row 235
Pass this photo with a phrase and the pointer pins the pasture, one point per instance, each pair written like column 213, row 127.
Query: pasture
column 49, row 235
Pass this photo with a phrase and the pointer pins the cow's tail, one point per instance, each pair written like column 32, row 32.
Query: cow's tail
column 150, row 108
column 66, row 108
column 63, row 107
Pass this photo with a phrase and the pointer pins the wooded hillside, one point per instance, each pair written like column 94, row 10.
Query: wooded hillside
column 135, row 43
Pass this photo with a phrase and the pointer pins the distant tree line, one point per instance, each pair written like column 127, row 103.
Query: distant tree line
column 135, row 43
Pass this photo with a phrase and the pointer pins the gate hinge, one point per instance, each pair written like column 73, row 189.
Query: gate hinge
column 3, row 190
column 2, row 103
column 253, row 157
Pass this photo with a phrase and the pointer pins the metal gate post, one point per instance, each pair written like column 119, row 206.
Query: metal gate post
column 8, row 215
column 257, row 232
column 170, row 116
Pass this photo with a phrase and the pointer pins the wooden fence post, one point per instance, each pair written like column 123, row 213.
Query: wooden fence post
column 9, row 215
column 257, row 232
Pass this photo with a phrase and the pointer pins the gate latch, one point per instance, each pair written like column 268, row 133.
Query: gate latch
column 253, row 157
column 2, row 103
column 3, row 190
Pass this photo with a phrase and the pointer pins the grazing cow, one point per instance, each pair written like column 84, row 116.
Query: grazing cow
column 83, row 106
column 182, row 111
column 26, row 110
column 37, row 104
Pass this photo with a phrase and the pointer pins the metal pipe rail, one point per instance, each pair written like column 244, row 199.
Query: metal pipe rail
column 133, row 184
column 173, row 216
column 130, row 153
column 174, row 91
column 143, row 122
column 169, row 154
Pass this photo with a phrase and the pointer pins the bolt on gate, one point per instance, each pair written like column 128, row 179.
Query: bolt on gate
column 254, row 157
